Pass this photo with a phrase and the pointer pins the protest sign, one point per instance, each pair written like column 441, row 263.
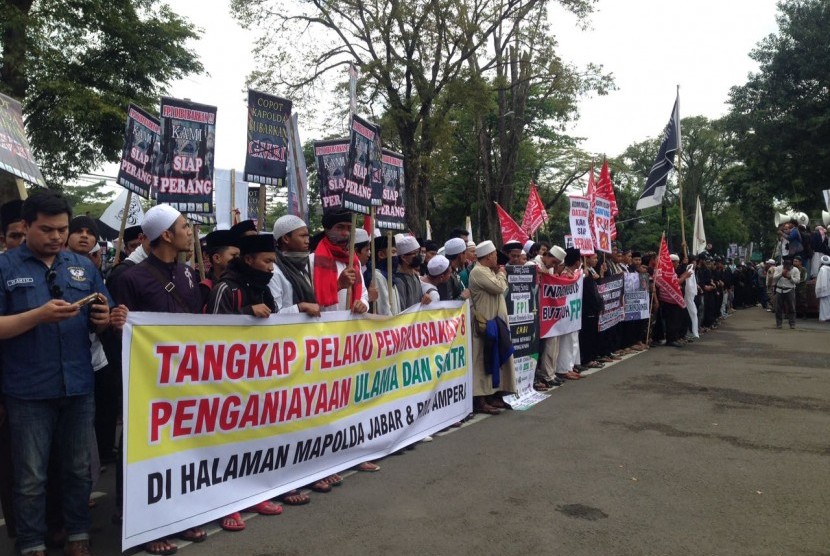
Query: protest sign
column 332, row 160
column 391, row 215
column 184, row 167
column 580, row 225
column 253, row 206
column 602, row 225
column 560, row 304
column 611, row 290
column 636, row 296
column 138, row 158
column 15, row 153
column 523, row 310
column 360, row 171
column 266, row 155
column 224, row 411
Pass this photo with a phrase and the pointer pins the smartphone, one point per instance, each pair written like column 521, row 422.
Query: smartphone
column 91, row 298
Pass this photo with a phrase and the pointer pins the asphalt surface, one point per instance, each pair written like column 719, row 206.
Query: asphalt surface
column 721, row 447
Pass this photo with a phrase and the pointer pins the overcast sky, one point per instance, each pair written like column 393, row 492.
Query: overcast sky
column 650, row 46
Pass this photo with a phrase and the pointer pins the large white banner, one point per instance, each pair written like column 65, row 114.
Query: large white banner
column 223, row 412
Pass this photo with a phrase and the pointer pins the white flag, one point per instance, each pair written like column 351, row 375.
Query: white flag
column 222, row 197
column 699, row 241
column 429, row 231
column 470, row 230
column 115, row 212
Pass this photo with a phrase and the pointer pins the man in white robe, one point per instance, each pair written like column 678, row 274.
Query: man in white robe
column 823, row 289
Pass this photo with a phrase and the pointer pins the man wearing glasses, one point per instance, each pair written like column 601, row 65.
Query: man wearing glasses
column 47, row 378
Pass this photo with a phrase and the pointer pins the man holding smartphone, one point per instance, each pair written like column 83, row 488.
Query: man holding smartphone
column 48, row 379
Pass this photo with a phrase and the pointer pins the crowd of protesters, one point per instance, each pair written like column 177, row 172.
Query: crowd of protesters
column 61, row 319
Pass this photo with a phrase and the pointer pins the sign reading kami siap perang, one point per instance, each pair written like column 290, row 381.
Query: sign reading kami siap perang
column 225, row 411
column 141, row 145
column 184, row 167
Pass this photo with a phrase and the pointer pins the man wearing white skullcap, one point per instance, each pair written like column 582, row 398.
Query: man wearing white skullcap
column 488, row 283
column 291, row 283
column 407, row 277
column 823, row 288
column 438, row 273
column 454, row 289
column 160, row 284
column 549, row 262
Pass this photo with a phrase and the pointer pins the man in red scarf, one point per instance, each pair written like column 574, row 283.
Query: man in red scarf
column 332, row 272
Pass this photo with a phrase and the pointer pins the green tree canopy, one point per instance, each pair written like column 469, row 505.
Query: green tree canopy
column 781, row 115
column 76, row 65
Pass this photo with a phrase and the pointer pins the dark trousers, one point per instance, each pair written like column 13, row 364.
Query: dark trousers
column 107, row 398
column 675, row 316
column 589, row 338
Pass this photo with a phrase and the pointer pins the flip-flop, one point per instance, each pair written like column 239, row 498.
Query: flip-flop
column 320, row 486
column 171, row 548
column 232, row 522
column 266, row 507
column 368, row 467
column 192, row 535
column 334, row 480
column 294, row 498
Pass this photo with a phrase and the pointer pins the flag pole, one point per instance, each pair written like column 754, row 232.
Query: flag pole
column 124, row 222
column 680, row 183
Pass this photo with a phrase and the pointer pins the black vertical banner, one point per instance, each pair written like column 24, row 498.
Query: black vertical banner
column 184, row 167
column 332, row 160
column 141, row 146
column 253, row 205
column 266, row 155
column 391, row 214
column 357, row 195
column 523, row 309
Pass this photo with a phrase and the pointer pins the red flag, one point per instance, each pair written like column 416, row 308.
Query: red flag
column 665, row 278
column 510, row 231
column 605, row 189
column 535, row 213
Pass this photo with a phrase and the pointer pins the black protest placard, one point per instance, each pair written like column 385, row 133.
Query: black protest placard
column 184, row 166
column 253, row 205
column 332, row 160
column 141, row 145
column 391, row 214
column 15, row 154
column 266, row 157
column 364, row 139
column 523, row 309
column 611, row 290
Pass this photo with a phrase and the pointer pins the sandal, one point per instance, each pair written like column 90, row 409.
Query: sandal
column 161, row 546
column 320, row 486
column 540, row 386
column 266, row 507
column 486, row 409
column 333, row 480
column 194, row 534
column 497, row 403
column 368, row 467
column 232, row 522
column 294, row 498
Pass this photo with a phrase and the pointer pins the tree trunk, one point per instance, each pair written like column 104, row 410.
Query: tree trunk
column 15, row 41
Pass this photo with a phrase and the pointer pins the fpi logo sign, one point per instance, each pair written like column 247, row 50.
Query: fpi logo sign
column 576, row 308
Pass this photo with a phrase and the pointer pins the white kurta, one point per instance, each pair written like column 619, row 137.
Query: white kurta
column 691, row 292
column 569, row 354
column 823, row 293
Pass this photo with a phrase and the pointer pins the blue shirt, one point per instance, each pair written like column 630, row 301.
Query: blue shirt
column 50, row 360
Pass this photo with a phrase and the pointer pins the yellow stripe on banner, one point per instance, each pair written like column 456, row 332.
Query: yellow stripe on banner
column 203, row 386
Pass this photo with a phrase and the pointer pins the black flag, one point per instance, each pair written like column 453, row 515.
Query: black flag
column 652, row 195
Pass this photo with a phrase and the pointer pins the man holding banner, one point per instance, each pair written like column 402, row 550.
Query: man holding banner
column 159, row 284
column 333, row 275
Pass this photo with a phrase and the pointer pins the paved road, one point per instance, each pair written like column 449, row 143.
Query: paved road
column 721, row 447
